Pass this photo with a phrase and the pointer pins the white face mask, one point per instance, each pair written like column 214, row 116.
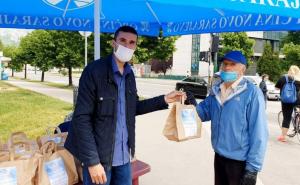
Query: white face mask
column 123, row 54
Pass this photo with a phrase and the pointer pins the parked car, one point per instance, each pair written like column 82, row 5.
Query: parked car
column 194, row 84
column 272, row 94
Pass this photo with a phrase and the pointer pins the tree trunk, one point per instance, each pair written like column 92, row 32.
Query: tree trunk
column 70, row 76
column 43, row 76
column 164, row 67
column 25, row 74
column 12, row 72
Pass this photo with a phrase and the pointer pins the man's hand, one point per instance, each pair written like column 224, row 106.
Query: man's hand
column 249, row 178
column 97, row 174
column 175, row 96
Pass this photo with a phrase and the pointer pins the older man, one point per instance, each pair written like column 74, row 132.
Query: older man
column 236, row 109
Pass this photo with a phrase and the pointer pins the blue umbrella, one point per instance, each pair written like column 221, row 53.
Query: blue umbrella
column 173, row 17
column 288, row 8
column 149, row 17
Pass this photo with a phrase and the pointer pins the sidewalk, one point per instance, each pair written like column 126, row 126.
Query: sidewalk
column 62, row 94
column 58, row 78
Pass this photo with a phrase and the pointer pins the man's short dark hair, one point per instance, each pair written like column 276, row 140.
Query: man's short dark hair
column 127, row 29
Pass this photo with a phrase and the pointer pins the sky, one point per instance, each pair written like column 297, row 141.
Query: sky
column 13, row 34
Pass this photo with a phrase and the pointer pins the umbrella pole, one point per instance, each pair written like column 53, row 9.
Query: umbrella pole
column 97, row 8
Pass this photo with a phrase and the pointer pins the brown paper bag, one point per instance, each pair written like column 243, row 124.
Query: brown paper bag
column 58, row 138
column 183, row 123
column 4, row 154
column 56, row 166
column 2, row 147
column 17, row 137
column 79, row 169
column 19, row 170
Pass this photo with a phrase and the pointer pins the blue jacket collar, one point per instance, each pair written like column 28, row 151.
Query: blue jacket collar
column 216, row 90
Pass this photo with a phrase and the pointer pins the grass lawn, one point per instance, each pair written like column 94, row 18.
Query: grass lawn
column 27, row 111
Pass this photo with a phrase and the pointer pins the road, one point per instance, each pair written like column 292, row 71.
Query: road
column 146, row 88
column 192, row 161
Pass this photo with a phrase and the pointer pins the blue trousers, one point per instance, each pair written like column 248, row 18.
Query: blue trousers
column 118, row 175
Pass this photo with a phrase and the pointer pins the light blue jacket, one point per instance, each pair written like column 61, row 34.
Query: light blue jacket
column 239, row 126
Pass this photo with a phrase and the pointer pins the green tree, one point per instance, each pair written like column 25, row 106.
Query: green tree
column 1, row 46
column 25, row 53
column 11, row 51
column 292, row 53
column 236, row 41
column 292, row 36
column 69, row 51
column 105, row 45
column 158, row 49
column 44, row 50
column 269, row 63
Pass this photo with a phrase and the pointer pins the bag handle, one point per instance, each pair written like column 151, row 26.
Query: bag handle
column 48, row 148
column 49, row 130
column 16, row 137
column 27, row 153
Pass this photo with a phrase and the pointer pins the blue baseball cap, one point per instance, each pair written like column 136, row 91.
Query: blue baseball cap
column 235, row 56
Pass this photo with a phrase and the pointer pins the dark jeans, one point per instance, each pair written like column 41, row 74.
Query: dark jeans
column 118, row 175
column 228, row 171
column 266, row 99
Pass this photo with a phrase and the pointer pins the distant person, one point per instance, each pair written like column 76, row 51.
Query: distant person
column 102, row 132
column 287, row 108
column 239, row 133
column 263, row 86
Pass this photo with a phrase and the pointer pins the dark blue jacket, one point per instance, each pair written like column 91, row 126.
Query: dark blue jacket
column 92, row 133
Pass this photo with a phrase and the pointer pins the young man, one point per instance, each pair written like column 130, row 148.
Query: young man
column 236, row 109
column 102, row 133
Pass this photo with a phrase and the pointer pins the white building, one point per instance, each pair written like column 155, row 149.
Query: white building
column 186, row 58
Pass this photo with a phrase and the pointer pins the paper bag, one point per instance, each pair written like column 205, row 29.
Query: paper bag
column 56, row 167
column 183, row 123
column 79, row 169
column 58, row 138
column 19, row 170
column 20, row 137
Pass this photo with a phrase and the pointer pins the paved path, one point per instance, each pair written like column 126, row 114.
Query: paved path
column 62, row 94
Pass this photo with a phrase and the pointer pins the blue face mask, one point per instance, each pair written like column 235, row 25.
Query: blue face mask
column 229, row 76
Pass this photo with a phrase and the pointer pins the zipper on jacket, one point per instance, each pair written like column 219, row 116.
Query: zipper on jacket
column 115, row 126
column 219, row 124
column 126, row 112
